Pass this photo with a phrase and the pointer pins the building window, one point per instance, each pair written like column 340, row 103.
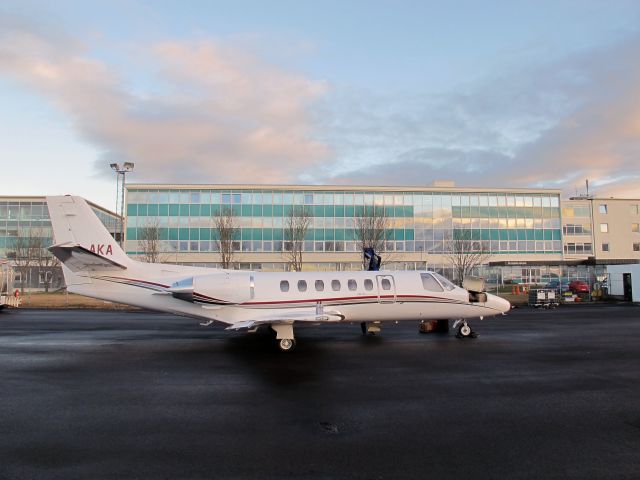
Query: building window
column 636, row 247
column 319, row 285
column 603, row 208
column 605, row 247
column 635, row 209
column 45, row 277
column 604, row 227
column 284, row 286
column 302, row 286
column 634, row 227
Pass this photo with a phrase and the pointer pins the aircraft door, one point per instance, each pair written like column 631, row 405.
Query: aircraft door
column 386, row 289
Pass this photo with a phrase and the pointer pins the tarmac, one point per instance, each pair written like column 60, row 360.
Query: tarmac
column 539, row 394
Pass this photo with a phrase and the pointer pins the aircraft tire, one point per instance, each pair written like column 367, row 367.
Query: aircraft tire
column 464, row 330
column 286, row 344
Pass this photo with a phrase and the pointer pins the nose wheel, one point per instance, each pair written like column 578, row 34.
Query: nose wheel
column 465, row 331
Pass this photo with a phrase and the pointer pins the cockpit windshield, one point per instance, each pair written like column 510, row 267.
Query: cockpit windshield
column 445, row 283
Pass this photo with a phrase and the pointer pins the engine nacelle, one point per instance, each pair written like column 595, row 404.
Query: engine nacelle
column 225, row 288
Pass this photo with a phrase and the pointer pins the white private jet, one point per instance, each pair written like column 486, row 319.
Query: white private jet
column 95, row 266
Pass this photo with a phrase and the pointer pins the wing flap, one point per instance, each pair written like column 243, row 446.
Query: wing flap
column 289, row 318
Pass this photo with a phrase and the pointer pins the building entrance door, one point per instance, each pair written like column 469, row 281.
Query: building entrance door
column 626, row 287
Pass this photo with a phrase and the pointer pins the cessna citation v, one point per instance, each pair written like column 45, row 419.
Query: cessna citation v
column 95, row 266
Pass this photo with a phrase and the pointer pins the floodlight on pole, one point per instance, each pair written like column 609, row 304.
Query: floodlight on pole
column 120, row 184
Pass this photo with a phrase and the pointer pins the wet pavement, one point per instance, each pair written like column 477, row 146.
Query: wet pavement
column 540, row 394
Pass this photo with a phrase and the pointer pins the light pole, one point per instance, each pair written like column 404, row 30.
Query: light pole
column 120, row 182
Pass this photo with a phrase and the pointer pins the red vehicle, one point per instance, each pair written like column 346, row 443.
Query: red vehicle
column 578, row 286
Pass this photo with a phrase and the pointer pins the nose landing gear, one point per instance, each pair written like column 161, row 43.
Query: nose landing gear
column 464, row 330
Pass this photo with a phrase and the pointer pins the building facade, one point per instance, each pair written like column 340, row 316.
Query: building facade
column 517, row 226
column 25, row 232
column 604, row 230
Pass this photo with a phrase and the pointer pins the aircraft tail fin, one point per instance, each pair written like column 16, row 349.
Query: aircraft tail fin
column 82, row 241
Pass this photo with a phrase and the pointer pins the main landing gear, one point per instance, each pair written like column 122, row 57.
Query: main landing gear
column 370, row 327
column 284, row 336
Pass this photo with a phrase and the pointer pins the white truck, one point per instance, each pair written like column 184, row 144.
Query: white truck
column 8, row 295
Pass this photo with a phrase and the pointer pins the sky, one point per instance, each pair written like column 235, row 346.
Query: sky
column 542, row 94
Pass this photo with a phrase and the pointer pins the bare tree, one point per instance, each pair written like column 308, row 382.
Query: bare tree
column 149, row 242
column 24, row 253
column 372, row 229
column 295, row 228
column 42, row 258
column 465, row 254
column 226, row 225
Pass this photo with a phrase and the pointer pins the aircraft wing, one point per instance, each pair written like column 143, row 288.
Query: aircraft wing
column 310, row 316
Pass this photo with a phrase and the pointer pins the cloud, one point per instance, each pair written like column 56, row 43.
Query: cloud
column 548, row 126
column 212, row 113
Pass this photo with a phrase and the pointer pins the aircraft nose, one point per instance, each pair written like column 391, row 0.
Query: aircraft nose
column 499, row 304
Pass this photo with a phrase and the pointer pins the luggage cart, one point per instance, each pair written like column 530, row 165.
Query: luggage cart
column 544, row 298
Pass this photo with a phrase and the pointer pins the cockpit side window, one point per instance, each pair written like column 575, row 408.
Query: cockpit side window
column 444, row 282
column 429, row 283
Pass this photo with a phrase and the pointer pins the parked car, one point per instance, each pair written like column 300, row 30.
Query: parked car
column 578, row 286
column 557, row 284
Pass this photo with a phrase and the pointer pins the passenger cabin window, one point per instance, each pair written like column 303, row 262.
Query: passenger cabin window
column 444, row 282
column 429, row 283
column 319, row 285
column 335, row 285
column 368, row 284
column 385, row 284
column 302, row 286
column 284, row 286
column 352, row 285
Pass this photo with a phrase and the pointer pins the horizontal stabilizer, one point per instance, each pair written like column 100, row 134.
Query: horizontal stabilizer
column 288, row 318
column 79, row 259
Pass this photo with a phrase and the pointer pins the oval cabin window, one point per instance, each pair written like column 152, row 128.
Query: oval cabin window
column 368, row 284
column 352, row 285
column 319, row 285
column 302, row 286
column 284, row 286
column 386, row 284
column 335, row 285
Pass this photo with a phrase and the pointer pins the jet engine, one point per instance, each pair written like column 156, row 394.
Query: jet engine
column 226, row 288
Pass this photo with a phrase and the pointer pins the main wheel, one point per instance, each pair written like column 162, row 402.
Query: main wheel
column 286, row 344
column 465, row 330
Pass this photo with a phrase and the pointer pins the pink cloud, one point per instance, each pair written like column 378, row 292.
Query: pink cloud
column 228, row 117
